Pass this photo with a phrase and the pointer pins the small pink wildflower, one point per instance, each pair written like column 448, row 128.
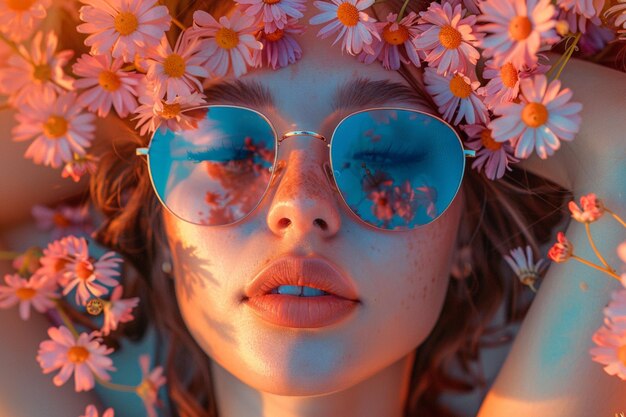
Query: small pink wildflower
column 592, row 209
column 151, row 382
column 58, row 125
column 521, row 261
column 107, row 84
column 517, row 29
column 456, row 92
column 84, row 356
column 86, row 274
column 229, row 43
column 562, row 250
column 491, row 156
column 92, row 411
column 18, row 18
column 611, row 349
column 117, row 310
column 36, row 72
column 541, row 118
column 123, row 28
column 63, row 220
column 36, row 292
column 448, row 39
column 273, row 14
column 155, row 113
column 80, row 166
column 280, row 47
column 174, row 72
column 397, row 43
column 347, row 16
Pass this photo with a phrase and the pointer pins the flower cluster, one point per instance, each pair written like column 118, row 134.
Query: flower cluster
column 44, row 278
column 133, row 70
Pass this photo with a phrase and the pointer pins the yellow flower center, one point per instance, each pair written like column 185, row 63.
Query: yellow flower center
column 145, row 388
column 459, row 87
column 55, row 127
column 109, row 81
column 271, row 1
column 77, row 354
column 84, row 270
column 395, row 37
column 42, row 72
column 170, row 111
column 621, row 354
column 450, row 37
column 534, row 114
column 174, row 66
column 226, row 38
column 275, row 36
column 20, row 5
column 126, row 23
column 60, row 220
column 488, row 142
column 508, row 73
column 520, row 27
column 348, row 14
column 25, row 293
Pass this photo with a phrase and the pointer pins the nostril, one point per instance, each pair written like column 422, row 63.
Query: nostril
column 321, row 223
column 284, row 222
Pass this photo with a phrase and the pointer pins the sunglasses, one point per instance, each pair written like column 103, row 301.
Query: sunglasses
column 394, row 168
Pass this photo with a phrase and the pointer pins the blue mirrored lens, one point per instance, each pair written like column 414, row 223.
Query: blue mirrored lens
column 218, row 173
column 396, row 169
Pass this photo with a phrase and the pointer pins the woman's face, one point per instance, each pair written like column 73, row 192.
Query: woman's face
column 400, row 277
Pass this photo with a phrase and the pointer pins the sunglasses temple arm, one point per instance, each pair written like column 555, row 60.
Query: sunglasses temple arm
column 467, row 152
column 141, row 151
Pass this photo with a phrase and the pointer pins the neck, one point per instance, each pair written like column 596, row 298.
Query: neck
column 382, row 394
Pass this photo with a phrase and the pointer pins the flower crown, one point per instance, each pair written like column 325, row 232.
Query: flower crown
column 482, row 67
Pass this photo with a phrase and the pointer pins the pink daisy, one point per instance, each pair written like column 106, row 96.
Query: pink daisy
column 586, row 8
column 58, row 125
column 229, row 43
column 280, row 47
column 107, row 84
column 610, row 349
column 155, row 113
column 123, row 28
column 503, row 85
column 448, row 40
column 174, row 73
column 616, row 310
column 592, row 209
column 92, row 411
column 396, row 44
column 86, row 274
column 36, row 292
column 151, row 382
column 84, row 356
column 30, row 74
column 491, row 156
column 347, row 16
column 117, row 310
column 18, row 18
column 618, row 9
column 80, row 166
column 55, row 258
column 456, row 91
column 521, row 261
column 63, row 220
column 517, row 29
column 274, row 14
column 541, row 118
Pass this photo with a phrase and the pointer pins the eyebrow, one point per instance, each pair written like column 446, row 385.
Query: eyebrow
column 358, row 92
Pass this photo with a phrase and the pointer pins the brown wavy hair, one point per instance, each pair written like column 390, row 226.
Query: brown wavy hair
column 519, row 209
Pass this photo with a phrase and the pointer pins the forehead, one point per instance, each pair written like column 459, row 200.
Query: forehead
column 325, row 83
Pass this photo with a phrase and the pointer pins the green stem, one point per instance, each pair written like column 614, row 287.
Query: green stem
column 595, row 249
column 116, row 387
column 598, row 267
column 178, row 23
column 616, row 217
column 66, row 320
column 13, row 46
column 568, row 54
column 401, row 14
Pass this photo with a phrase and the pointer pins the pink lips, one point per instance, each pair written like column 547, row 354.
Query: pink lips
column 301, row 312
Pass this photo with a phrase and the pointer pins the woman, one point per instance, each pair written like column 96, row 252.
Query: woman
column 394, row 353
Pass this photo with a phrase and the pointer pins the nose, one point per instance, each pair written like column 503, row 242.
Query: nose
column 304, row 201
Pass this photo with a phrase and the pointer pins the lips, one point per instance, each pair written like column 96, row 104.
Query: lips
column 302, row 312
